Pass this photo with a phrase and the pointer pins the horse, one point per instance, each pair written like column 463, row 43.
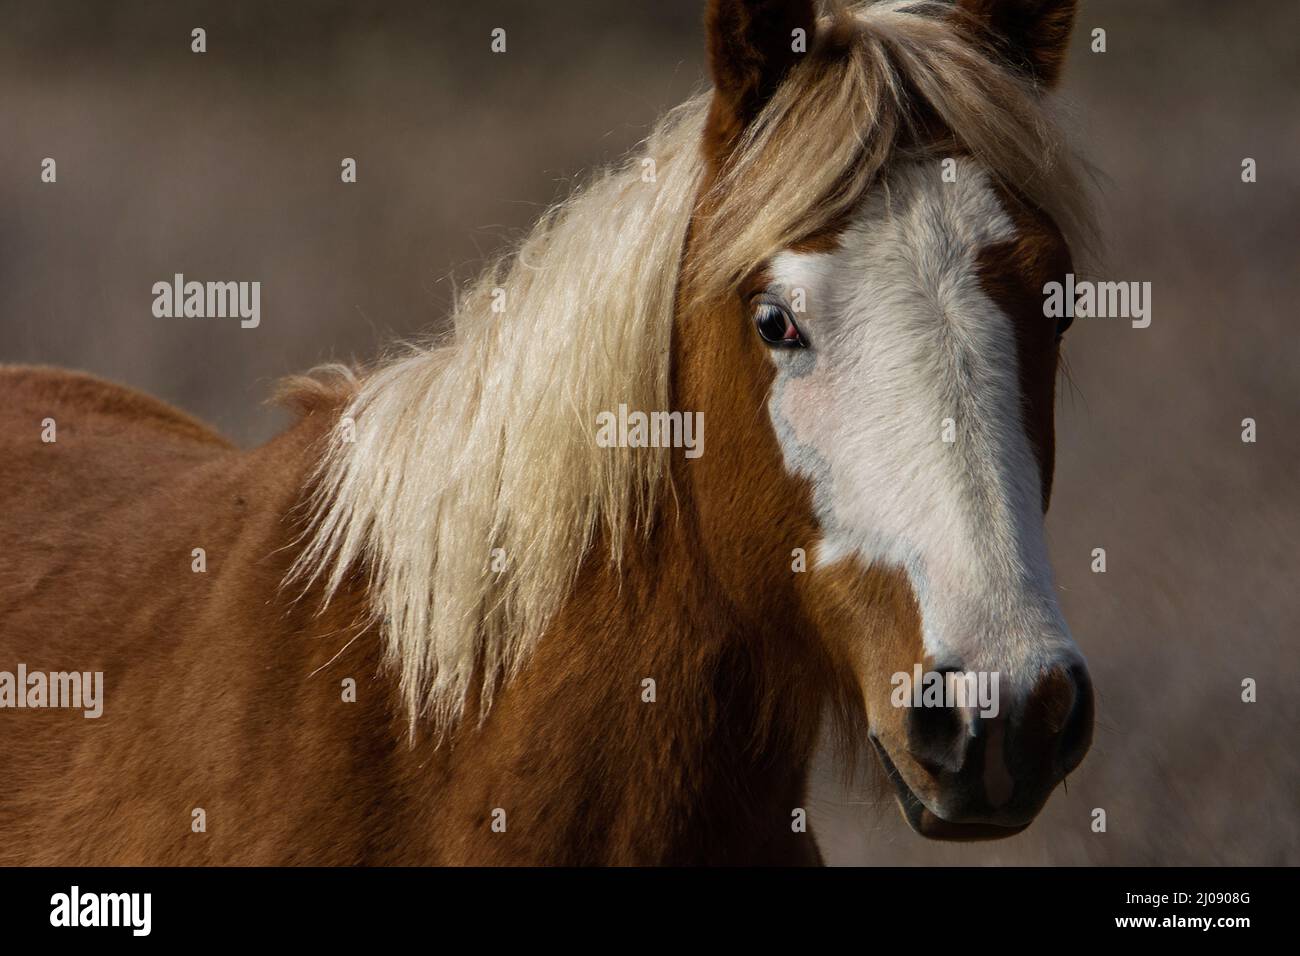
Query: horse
column 435, row 621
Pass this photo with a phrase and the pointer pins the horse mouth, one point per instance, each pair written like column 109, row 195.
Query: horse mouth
column 926, row 822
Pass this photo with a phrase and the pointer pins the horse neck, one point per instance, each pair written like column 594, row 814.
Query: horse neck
column 709, row 770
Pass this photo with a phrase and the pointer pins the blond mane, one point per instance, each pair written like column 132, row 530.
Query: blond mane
column 473, row 488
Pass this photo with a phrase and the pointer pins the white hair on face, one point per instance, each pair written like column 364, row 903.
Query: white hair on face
column 488, row 443
column 903, row 337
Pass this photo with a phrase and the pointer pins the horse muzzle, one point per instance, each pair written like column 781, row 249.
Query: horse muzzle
column 962, row 776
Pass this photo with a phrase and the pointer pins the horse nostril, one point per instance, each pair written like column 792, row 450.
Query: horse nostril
column 1056, row 725
column 1076, row 734
column 937, row 738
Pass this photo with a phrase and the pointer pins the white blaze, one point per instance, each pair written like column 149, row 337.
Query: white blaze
column 902, row 336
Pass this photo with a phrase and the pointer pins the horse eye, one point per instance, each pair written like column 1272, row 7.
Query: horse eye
column 775, row 324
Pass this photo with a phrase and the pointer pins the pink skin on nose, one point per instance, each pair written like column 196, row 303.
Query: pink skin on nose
column 807, row 406
column 803, row 405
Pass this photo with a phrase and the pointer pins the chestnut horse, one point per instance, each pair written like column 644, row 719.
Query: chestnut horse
column 438, row 621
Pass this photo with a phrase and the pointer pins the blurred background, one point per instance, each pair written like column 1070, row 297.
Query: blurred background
column 226, row 166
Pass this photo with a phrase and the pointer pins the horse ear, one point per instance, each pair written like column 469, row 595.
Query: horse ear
column 752, row 43
column 1032, row 34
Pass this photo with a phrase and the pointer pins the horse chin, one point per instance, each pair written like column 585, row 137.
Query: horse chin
column 929, row 824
